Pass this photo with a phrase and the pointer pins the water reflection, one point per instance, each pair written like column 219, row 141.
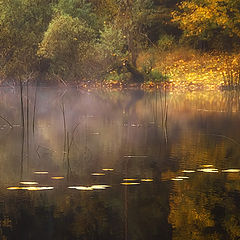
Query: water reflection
column 120, row 165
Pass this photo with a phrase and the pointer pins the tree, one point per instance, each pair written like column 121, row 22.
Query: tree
column 66, row 43
column 22, row 24
column 106, row 10
column 209, row 19
column 134, row 17
column 80, row 9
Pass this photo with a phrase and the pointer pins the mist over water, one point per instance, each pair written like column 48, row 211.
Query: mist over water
column 111, row 164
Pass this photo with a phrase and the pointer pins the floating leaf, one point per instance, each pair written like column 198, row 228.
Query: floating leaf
column 135, row 156
column 29, row 183
column 82, row 188
column 146, row 179
column 41, row 173
column 38, row 188
column 100, row 187
column 98, row 174
column 208, row 170
column 130, row 183
column 176, row 179
column 30, row 188
column 207, row 165
column 129, row 179
column 231, row 170
column 182, row 177
column 57, row 178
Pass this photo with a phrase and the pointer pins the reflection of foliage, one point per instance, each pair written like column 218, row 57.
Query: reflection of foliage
column 87, row 215
column 205, row 209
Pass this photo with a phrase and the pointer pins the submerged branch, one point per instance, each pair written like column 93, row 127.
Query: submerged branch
column 3, row 118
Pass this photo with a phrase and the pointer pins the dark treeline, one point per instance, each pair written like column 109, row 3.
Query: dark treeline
column 96, row 39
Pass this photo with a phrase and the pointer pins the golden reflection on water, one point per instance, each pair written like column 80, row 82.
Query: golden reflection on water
column 189, row 147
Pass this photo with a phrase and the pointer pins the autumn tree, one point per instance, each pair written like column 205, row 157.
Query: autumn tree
column 209, row 20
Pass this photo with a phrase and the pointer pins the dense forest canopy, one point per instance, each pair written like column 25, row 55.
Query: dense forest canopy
column 90, row 39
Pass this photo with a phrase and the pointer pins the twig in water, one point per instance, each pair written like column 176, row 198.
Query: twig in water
column 3, row 118
column 34, row 108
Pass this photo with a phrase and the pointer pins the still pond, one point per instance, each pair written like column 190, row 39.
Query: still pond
column 111, row 164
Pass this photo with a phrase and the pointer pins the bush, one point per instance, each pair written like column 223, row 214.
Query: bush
column 157, row 76
column 166, row 42
column 119, row 77
column 66, row 44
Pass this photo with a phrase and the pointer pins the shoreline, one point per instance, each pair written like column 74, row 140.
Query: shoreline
column 184, row 69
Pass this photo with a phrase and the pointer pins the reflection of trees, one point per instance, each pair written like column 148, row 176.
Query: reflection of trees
column 87, row 215
column 128, row 124
column 148, row 211
column 205, row 208
column 194, row 148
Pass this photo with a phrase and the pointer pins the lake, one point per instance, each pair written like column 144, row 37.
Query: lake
column 119, row 164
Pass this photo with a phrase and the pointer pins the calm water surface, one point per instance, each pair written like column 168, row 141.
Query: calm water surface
column 101, row 165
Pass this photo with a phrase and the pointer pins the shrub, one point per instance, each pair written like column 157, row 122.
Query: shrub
column 119, row 77
column 157, row 76
column 166, row 42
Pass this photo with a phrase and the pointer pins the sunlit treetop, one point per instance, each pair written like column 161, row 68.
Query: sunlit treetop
column 201, row 18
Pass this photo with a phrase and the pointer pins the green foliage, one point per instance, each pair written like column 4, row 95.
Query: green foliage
column 79, row 9
column 152, row 74
column 112, row 41
column 106, row 10
column 157, row 76
column 119, row 77
column 22, row 24
column 89, row 38
column 109, row 52
column 66, row 43
column 166, row 42
column 147, row 66
column 133, row 19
